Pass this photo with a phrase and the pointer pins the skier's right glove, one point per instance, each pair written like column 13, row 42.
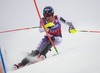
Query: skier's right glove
column 49, row 25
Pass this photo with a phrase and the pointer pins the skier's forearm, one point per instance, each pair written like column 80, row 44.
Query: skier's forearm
column 41, row 29
column 67, row 23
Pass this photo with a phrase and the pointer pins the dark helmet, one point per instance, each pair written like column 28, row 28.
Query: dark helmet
column 48, row 10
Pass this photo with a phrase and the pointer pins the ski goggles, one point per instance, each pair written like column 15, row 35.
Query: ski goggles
column 48, row 14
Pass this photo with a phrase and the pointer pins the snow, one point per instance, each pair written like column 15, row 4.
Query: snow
column 79, row 53
column 79, row 57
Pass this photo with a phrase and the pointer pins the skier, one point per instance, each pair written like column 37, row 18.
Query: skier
column 52, row 23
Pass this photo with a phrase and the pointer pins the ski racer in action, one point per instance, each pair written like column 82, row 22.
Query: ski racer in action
column 52, row 23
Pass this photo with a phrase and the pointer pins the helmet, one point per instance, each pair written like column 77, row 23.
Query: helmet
column 48, row 10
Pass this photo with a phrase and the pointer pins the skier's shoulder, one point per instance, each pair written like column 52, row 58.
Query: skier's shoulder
column 59, row 18
column 43, row 20
column 56, row 17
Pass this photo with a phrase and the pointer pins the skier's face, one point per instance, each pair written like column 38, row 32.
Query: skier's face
column 49, row 17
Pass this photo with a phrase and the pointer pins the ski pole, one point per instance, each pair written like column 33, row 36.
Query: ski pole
column 44, row 27
column 12, row 30
column 93, row 31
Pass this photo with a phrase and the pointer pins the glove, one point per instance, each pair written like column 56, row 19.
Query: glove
column 72, row 30
column 49, row 25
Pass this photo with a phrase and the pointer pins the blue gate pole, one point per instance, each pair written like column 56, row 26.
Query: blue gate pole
column 2, row 60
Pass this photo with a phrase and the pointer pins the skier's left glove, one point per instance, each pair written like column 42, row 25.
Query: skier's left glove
column 49, row 25
column 72, row 29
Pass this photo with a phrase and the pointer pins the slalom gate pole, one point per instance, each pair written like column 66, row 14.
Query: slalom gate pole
column 12, row 30
column 2, row 60
column 93, row 31
column 44, row 27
